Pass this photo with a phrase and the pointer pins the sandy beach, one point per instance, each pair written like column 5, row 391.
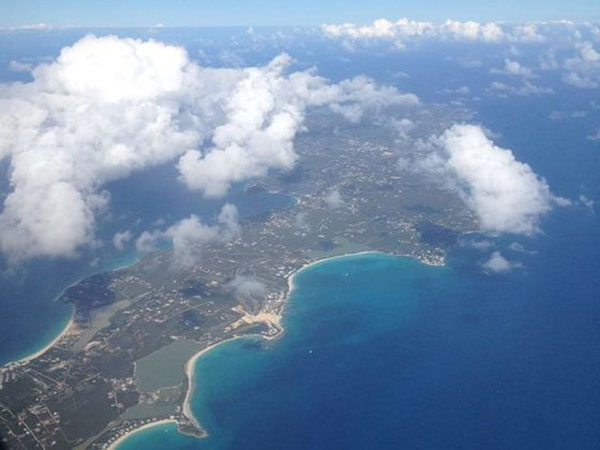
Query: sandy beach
column 269, row 318
column 292, row 275
column 118, row 441
column 191, row 377
column 261, row 317
column 50, row 344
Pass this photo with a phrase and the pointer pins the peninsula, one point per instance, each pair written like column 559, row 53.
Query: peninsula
column 125, row 359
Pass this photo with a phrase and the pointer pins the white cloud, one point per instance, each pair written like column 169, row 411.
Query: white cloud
column 462, row 90
column 108, row 106
column 481, row 245
column 469, row 62
column 263, row 115
column 333, row 199
column 526, row 33
column 404, row 30
column 402, row 127
column 105, row 107
column 524, row 89
column 583, row 69
column 548, row 61
column 586, row 202
column 595, row 136
column 18, row 66
column 301, row 221
column 30, row 27
column 512, row 67
column 189, row 235
column 563, row 115
column 506, row 194
column 146, row 242
column 247, row 287
column 499, row 264
column 121, row 238
column 230, row 59
column 520, row 248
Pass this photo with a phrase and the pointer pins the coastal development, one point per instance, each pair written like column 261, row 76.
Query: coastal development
column 126, row 359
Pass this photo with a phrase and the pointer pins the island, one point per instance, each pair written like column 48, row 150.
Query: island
column 126, row 359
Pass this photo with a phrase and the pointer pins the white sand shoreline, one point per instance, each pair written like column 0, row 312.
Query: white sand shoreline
column 48, row 346
column 191, row 378
column 191, row 363
column 120, row 439
column 291, row 277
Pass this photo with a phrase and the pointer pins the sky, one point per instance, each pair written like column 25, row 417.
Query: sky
column 124, row 13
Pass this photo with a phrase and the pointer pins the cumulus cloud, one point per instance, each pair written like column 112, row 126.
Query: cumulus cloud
column 586, row 202
column 189, row 235
column 18, row 66
column 121, row 238
column 575, row 53
column 405, row 30
column 583, row 69
column 479, row 244
column 548, row 60
column 147, row 241
column 506, row 194
column 524, row 89
column 230, row 59
column 108, row 106
column 333, row 199
column 402, row 127
column 246, row 287
column 512, row 67
column 527, row 33
column 101, row 110
column 499, row 264
column 520, row 248
column 301, row 221
column 265, row 112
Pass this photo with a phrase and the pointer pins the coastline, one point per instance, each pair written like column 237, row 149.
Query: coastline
column 113, row 445
column 71, row 321
column 191, row 378
column 48, row 346
column 292, row 275
column 191, row 363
